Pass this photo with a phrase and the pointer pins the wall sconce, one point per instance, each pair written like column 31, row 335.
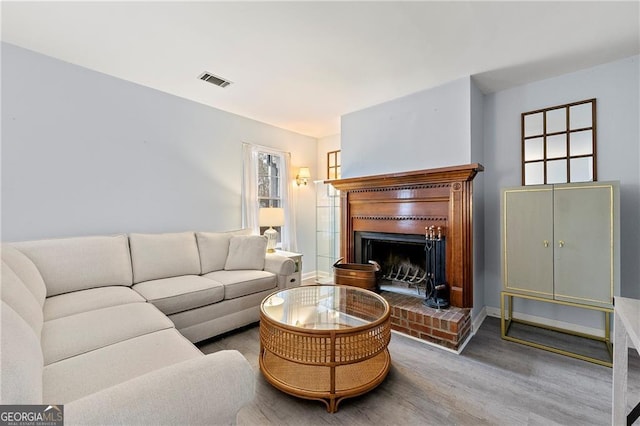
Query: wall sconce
column 303, row 176
column 271, row 216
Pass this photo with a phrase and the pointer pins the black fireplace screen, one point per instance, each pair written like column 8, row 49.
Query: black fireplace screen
column 401, row 257
column 408, row 262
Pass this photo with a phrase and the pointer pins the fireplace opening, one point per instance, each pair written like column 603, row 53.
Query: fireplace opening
column 402, row 259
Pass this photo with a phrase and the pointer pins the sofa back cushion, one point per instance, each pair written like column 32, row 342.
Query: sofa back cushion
column 71, row 264
column 23, row 293
column 156, row 256
column 26, row 271
column 246, row 252
column 214, row 248
column 17, row 295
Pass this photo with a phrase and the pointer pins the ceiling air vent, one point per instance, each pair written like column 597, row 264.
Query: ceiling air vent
column 214, row 79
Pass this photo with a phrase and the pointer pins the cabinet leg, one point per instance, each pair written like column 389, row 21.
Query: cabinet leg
column 607, row 333
column 503, row 327
column 505, row 318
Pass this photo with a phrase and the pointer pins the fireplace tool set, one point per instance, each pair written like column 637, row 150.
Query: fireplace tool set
column 437, row 291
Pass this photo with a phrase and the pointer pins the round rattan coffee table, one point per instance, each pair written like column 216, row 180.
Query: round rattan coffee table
column 325, row 342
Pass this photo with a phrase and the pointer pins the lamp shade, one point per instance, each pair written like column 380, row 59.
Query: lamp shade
column 271, row 216
column 304, row 173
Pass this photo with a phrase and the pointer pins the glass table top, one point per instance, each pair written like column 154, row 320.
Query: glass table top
column 325, row 307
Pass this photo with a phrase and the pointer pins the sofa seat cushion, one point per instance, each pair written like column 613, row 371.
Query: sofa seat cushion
column 212, row 320
column 87, row 331
column 88, row 300
column 242, row 283
column 178, row 294
column 81, row 375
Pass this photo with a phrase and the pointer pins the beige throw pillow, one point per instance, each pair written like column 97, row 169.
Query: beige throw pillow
column 214, row 248
column 246, row 252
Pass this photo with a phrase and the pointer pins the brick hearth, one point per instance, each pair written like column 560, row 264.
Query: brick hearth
column 446, row 327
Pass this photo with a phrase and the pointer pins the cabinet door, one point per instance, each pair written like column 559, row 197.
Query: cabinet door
column 584, row 243
column 527, row 240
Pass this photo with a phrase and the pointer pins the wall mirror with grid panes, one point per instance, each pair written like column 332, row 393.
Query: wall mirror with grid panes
column 559, row 144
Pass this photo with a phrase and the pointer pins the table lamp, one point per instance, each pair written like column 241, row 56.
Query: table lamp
column 271, row 216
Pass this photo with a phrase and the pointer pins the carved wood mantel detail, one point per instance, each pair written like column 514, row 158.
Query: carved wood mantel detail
column 407, row 203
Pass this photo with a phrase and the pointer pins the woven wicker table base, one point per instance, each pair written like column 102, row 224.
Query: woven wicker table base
column 314, row 381
column 325, row 343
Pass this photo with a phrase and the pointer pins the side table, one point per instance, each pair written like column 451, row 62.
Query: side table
column 295, row 279
column 626, row 329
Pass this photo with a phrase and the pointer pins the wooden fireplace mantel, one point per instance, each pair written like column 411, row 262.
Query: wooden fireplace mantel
column 409, row 202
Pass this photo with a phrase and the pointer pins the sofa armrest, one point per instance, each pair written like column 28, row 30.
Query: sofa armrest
column 202, row 391
column 278, row 264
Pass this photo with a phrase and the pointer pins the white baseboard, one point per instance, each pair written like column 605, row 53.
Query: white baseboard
column 495, row 312
column 435, row 345
column 308, row 275
column 477, row 321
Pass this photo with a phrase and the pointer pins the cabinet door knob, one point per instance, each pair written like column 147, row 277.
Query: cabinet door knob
column 560, row 243
column 546, row 243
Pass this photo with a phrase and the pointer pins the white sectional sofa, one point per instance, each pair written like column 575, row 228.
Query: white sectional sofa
column 104, row 324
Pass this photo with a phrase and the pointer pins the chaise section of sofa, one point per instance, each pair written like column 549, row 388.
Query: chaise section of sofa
column 75, row 331
column 208, row 390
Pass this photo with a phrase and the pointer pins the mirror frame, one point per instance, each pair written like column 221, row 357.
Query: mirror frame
column 567, row 132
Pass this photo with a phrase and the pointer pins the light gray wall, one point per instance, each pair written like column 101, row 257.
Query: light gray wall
column 615, row 86
column 437, row 127
column 424, row 130
column 477, row 156
column 85, row 153
column 456, row 124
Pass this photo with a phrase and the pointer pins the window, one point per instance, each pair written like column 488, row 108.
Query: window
column 269, row 177
column 559, row 144
column 269, row 185
column 267, row 182
column 333, row 164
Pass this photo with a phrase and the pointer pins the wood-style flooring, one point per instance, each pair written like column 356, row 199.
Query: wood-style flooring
column 493, row 382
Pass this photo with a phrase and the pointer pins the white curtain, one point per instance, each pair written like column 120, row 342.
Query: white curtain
column 250, row 187
column 289, row 239
column 250, row 193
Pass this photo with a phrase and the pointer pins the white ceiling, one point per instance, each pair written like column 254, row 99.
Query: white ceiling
column 301, row 65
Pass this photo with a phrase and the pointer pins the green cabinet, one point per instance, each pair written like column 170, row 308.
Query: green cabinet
column 561, row 242
column 527, row 235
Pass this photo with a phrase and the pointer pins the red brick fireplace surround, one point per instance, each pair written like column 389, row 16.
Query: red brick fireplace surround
column 407, row 203
column 445, row 327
